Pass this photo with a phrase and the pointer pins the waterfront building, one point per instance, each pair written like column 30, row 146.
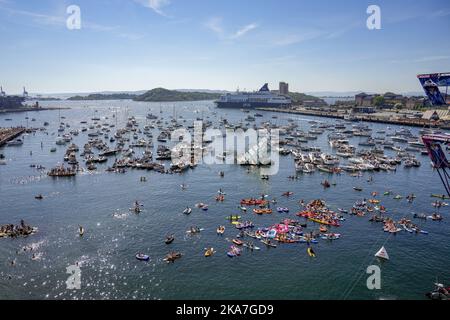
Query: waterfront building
column 363, row 109
column 8, row 102
column 284, row 88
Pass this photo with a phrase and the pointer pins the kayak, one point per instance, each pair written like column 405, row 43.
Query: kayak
column 327, row 223
column 81, row 232
column 251, row 247
column 142, row 257
column 220, row 230
column 237, row 242
column 233, row 217
column 408, row 229
column 171, row 257
column 246, row 225
column 269, row 244
column 311, row 252
column 262, row 211
column 253, row 202
column 209, row 252
column 357, row 189
column 435, row 218
column 304, row 240
column 234, row 252
column 190, row 231
column 169, row 240
column 334, row 236
column 440, row 196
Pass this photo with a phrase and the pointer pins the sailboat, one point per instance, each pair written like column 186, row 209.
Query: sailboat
column 382, row 254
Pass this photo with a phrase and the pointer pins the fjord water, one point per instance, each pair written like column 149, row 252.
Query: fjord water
column 100, row 202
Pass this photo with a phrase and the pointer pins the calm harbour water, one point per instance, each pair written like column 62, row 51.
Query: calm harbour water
column 100, row 202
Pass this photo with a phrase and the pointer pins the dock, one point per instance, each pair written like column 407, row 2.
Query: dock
column 423, row 123
column 8, row 134
column 30, row 109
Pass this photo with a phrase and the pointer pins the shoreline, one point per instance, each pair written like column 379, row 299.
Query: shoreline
column 30, row 109
column 368, row 118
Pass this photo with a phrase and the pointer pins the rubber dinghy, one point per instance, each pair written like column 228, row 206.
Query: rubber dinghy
column 142, row 257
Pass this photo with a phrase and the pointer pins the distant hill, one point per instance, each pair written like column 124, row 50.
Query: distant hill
column 300, row 98
column 165, row 95
column 99, row 96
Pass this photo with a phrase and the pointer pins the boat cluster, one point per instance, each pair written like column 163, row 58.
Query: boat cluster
column 21, row 230
column 62, row 171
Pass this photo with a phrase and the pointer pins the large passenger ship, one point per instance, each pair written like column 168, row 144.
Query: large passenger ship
column 250, row 100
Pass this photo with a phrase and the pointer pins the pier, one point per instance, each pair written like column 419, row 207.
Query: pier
column 8, row 134
column 413, row 122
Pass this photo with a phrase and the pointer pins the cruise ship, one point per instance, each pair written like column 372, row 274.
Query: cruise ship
column 250, row 100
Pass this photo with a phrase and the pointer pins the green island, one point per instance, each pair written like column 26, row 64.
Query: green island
column 100, row 96
column 165, row 95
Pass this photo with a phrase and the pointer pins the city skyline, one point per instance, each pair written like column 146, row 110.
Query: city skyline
column 132, row 45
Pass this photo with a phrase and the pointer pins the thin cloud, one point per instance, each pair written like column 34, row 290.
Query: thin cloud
column 156, row 6
column 215, row 24
column 60, row 22
column 244, row 30
column 291, row 39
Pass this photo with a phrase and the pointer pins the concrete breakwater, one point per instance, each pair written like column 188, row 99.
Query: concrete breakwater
column 30, row 109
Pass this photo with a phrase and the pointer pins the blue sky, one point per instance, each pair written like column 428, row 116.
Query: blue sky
column 221, row 44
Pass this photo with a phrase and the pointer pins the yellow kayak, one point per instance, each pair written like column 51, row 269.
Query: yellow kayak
column 320, row 221
column 311, row 252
